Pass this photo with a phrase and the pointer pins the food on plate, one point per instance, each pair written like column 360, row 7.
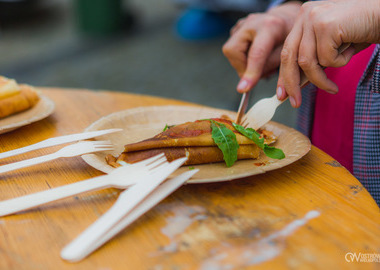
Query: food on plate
column 202, row 141
column 15, row 97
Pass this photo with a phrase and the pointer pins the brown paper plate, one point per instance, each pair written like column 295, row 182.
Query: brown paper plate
column 41, row 110
column 145, row 122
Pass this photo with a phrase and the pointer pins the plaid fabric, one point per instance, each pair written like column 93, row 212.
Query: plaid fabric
column 366, row 125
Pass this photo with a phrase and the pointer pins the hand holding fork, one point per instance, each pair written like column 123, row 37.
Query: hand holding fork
column 263, row 110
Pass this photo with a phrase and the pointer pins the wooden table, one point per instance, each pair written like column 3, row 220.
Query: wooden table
column 307, row 215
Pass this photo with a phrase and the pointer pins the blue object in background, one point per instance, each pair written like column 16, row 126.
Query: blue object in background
column 198, row 24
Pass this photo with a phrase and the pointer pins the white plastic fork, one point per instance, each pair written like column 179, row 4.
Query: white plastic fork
column 59, row 140
column 121, row 178
column 81, row 148
column 263, row 110
column 126, row 202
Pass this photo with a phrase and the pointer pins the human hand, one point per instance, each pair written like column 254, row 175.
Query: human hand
column 321, row 28
column 255, row 44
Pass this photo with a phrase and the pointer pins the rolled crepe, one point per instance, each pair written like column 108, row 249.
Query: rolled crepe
column 196, row 133
column 25, row 99
column 195, row 155
column 192, row 140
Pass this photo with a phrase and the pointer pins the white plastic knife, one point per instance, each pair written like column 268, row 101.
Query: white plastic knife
column 127, row 201
column 164, row 190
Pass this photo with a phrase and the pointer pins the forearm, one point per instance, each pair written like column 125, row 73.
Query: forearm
column 373, row 21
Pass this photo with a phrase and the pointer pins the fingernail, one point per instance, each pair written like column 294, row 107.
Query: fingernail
column 292, row 101
column 332, row 91
column 243, row 85
column 279, row 92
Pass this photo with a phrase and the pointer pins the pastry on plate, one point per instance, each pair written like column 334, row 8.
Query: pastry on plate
column 201, row 141
column 15, row 98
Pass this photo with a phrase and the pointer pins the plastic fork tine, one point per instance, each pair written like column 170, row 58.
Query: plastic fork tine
column 103, row 146
column 104, row 149
column 152, row 165
column 150, row 162
column 157, row 163
column 101, row 142
column 152, row 159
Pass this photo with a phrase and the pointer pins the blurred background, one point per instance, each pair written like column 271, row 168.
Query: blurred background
column 94, row 45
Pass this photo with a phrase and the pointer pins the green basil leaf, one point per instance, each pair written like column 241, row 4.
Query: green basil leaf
column 252, row 134
column 167, row 127
column 225, row 139
column 273, row 152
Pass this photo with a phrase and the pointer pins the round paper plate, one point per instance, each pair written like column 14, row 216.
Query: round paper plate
column 145, row 122
column 41, row 110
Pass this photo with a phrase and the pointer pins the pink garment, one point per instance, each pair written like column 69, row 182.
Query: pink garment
column 333, row 126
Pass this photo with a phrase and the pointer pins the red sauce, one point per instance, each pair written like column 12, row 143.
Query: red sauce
column 221, row 120
column 188, row 129
column 260, row 164
column 187, row 133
